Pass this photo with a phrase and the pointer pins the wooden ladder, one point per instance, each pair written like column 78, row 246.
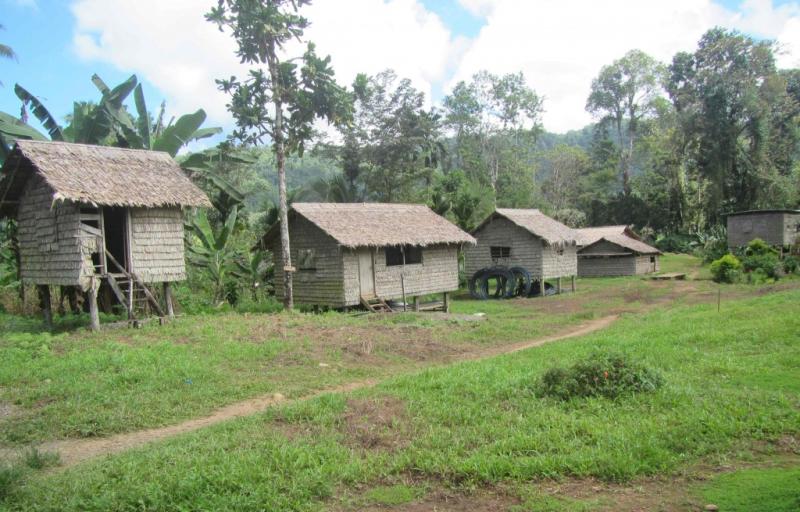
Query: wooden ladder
column 131, row 290
column 376, row 305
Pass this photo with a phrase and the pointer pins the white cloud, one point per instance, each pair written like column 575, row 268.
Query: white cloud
column 561, row 45
column 174, row 48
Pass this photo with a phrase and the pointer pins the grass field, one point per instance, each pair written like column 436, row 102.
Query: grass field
column 74, row 384
column 471, row 434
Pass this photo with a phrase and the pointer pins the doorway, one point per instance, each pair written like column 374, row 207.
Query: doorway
column 366, row 273
column 115, row 233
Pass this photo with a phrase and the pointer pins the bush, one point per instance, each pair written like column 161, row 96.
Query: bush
column 767, row 264
column 791, row 264
column 602, row 374
column 758, row 247
column 726, row 269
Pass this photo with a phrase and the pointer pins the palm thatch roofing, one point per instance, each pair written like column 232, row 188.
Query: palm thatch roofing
column 98, row 175
column 536, row 223
column 622, row 236
column 378, row 224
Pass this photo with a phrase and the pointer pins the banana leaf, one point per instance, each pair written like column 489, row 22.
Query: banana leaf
column 40, row 111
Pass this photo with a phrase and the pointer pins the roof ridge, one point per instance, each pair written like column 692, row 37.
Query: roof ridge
column 93, row 146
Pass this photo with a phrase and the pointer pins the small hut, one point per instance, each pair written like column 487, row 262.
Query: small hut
column 614, row 251
column 525, row 238
column 92, row 215
column 780, row 228
column 350, row 254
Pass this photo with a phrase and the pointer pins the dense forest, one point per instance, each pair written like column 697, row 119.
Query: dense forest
column 674, row 147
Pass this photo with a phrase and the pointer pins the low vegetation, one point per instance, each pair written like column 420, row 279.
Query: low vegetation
column 608, row 375
column 729, row 381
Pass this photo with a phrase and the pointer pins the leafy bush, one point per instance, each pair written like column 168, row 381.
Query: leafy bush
column 713, row 244
column 601, row 374
column 767, row 264
column 758, row 247
column 726, row 269
column 677, row 242
column 791, row 264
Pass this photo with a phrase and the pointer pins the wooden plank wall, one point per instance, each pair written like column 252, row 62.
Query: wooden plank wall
column 599, row 266
column 323, row 285
column 157, row 248
column 526, row 249
column 50, row 238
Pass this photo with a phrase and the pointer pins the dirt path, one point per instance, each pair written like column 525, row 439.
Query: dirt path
column 74, row 451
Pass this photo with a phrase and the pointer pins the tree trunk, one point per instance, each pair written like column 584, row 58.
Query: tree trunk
column 280, row 157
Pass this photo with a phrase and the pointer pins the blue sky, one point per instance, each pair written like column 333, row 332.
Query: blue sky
column 61, row 43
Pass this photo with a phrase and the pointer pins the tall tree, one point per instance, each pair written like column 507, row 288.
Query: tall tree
column 495, row 121
column 737, row 112
column 622, row 95
column 283, row 103
column 393, row 144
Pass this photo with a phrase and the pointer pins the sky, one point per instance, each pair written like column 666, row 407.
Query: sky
column 559, row 45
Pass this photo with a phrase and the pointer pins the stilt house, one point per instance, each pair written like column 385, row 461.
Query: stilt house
column 525, row 238
column 614, row 251
column 780, row 228
column 92, row 215
column 350, row 254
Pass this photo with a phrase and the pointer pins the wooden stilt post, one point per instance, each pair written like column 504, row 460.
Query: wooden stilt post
column 541, row 286
column 416, row 304
column 573, row 284
column 94, row 313
column 559, row 285
column 168, row 299
column 47, row 307
column 446, row 302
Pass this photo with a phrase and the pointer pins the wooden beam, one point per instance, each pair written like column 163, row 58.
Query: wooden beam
column 559, row 285
column 94, row 314
column 46, row 305
column 573, row 284
column 168, row 299
column 446, row 302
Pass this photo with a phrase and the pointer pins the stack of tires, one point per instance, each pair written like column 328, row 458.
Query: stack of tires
column 507, row 283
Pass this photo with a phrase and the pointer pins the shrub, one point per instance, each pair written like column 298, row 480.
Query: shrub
column 601, row 374
column 791, row 264
column 726, row 269
column 758, row 247
column 767, row 264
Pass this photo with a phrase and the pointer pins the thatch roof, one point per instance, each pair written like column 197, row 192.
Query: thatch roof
column 536, row 223
column 100, row 175
column 622, row 236
column 379, row 224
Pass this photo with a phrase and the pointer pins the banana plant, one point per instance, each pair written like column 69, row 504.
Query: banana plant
column 214, row 254
column 251, row 268
column 108, row 122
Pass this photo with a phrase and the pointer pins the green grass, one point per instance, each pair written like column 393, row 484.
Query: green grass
column 72, row 383
column 755, row 490
column 728, row 382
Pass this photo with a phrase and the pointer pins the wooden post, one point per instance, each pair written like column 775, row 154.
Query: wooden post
column 168, row 299
column 559, row 285
column 446, row 302
column 416, row 304
column 541, row 286
column 44, row 302
column 573, row 284
column 403, row 289
column 94, row 314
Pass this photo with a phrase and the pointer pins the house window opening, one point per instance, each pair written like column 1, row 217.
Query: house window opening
column 403, row 255
column 307, row 259
column 500, row 252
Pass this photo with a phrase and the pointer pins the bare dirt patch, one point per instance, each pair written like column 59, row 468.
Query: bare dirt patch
column 8, row 411
column 375, row 424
